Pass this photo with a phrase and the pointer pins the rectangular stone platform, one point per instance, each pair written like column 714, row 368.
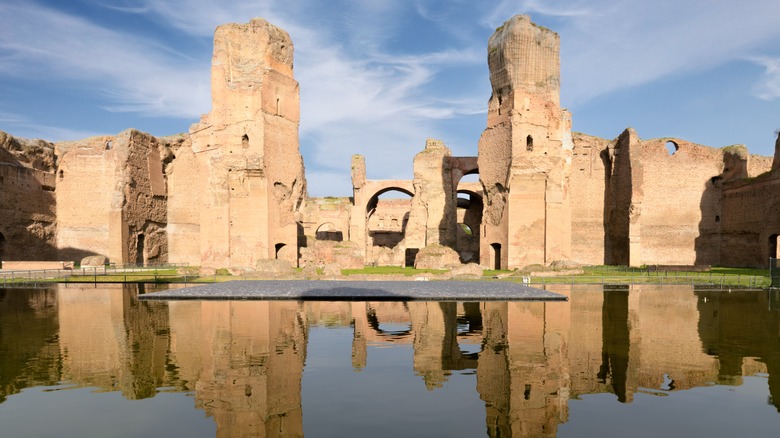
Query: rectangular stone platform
column 339, row 290
column 26, row 265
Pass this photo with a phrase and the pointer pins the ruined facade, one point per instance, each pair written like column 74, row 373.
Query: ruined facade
column 250, row 182
column 232, row 191
column 112, row 196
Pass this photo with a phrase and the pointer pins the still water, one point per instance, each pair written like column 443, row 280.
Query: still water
column 649, row 361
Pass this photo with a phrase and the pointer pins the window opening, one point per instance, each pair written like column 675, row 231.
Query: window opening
column 672, row 147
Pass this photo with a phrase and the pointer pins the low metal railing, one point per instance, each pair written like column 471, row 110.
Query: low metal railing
column 96, row 274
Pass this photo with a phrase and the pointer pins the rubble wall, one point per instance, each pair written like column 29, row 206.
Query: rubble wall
column 525, row 150
column 679, row 208
column 247, row 149
column 27, row 199
column 750, row 221
column 588, row 187
column 111, row 199
column 184, row 196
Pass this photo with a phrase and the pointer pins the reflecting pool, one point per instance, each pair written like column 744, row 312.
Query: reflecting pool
column 641, row 361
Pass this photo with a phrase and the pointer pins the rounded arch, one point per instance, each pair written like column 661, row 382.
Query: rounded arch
column 469, row 218
column 329, row 231
column 672, row 147
column 374, row 199
column 386, row 221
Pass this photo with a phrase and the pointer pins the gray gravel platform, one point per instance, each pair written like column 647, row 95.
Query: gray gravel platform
column 339, row 290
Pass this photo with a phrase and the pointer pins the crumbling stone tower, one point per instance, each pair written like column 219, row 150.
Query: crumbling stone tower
column 251, row 170
column 525, row 152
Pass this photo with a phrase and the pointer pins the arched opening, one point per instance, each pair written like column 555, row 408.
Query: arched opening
column 495, row 256
column 2, row 247
column 245, row 141
column 468, row 215
column 672, row 147
column 62, row 173
column 387, row 214
column 328, row 231
column 529, row 143
column 279, row 250
column 469, row 219
column 773, row 246
column 139, row 250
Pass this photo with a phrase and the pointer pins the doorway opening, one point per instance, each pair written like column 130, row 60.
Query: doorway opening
column 139, row 250
column 495, row 249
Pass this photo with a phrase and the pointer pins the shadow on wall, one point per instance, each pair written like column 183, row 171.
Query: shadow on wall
column 75, row 254
column 618, row 196
column 707, row 244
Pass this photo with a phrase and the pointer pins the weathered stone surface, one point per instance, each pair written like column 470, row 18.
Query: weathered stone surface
column 93, row 261
column 112, row 199
column 565, row 264
column 207, row 271
column 231, row 193
column 309, row 271
column 27, row 199
column 251, row 176
column 273, row 267
column 436, row 257
column 331, row 270
column 432, row 215
column 467, row 270
column 184, row 198
column 525, row 152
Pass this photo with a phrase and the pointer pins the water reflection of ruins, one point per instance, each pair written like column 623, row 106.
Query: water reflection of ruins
column 245, row 360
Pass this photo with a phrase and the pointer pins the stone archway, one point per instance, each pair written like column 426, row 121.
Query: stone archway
column 329, row 232
column 468, row 213
column 386, row 220
column 469, row 218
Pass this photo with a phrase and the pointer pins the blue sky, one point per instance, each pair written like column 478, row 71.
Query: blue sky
column 378, row 77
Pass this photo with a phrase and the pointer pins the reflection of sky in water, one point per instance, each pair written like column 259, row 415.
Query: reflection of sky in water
column 649, row 362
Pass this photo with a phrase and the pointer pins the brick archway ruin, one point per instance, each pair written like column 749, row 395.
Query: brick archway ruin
column 386, row 226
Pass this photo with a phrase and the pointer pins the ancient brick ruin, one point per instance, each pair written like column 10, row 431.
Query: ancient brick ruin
column 232, row 192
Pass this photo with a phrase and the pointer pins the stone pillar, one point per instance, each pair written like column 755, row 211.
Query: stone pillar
column 432, row 219
column 252, row 169
column 524, row 153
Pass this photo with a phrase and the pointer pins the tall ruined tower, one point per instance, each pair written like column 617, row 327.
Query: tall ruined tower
column 251, row 171
column 525, row 152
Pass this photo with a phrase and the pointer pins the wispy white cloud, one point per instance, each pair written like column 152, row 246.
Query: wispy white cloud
column 361, row 90
column 356, row 97
column 21, row 127
column 505, row 9
column 136, row 74
column 768, row 87
column 613, row 45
